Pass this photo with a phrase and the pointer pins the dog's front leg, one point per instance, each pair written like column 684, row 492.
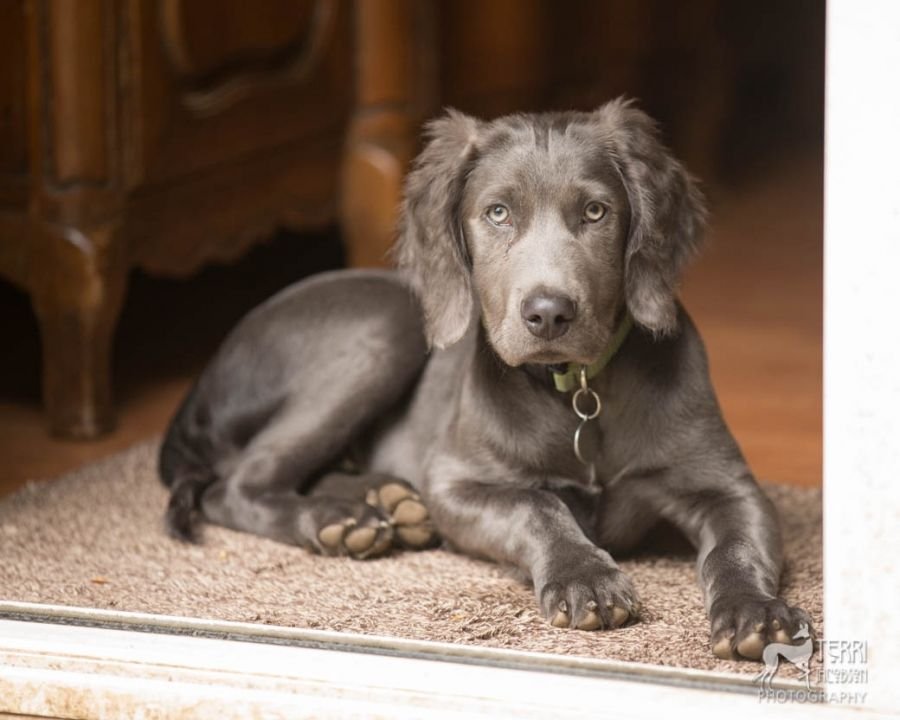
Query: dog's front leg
column 577, row 584
column 739, row 565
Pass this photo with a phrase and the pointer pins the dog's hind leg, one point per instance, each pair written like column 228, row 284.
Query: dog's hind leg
column 298, row 381
column 260, row 496
column 260, row 489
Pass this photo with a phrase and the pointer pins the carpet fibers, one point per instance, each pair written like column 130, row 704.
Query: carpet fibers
column 94, row 538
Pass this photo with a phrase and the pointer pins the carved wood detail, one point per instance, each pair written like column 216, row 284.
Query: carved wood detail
column 279, row 43
column 295, row 187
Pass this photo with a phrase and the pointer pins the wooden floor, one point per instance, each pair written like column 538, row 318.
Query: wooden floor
column 756, row 295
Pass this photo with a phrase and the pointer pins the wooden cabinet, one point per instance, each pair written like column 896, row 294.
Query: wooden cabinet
column 168, row 133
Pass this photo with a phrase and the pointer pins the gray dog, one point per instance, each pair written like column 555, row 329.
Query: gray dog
column 565, row 407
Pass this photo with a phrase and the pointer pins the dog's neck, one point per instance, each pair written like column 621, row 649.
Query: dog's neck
column 568, row 377
column 520, row 400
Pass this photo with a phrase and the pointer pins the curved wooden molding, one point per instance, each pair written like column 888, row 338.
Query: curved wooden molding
column 210, row 90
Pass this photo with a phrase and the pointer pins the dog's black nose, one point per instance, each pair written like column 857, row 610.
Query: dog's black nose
column 548, row 316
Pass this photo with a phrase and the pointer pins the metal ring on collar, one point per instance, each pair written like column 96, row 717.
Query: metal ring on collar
column 576, row 442
column 591, row 394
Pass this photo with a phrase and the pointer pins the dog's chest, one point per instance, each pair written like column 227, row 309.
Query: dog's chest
column 592, row 450
column 551, row 440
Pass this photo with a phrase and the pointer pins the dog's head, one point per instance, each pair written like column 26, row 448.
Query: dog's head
column 549, row 226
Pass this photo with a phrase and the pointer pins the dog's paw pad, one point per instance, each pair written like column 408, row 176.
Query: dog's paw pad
column 591, row 618
column 561, row 619
column 332, row 535
column 359, row 541
column 409, row 516
column 409, row 512
column 391, row 494
column 751, row 646
column 620, row 616
column 416, row 537
column 721, row 648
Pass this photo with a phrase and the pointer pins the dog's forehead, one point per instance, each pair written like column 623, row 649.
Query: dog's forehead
column 551, row 149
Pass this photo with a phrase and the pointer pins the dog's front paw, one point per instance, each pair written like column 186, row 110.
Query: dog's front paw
column 588, row 593
column 743, row 625
column 343, row 527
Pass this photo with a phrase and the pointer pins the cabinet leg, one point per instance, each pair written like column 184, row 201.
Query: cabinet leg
column 77, row 281
column 394, row 74
column 377, row 154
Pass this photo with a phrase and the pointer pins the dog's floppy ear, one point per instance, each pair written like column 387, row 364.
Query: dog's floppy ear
column 667, row 214
column 430, row 246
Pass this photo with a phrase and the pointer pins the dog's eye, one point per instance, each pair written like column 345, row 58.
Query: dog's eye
column 498, row 214
column 594, row 211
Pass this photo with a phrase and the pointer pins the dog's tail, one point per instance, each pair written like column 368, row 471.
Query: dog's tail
column 187, row 473
column 184, row 503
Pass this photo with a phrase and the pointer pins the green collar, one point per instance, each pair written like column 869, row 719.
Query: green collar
column 570, row 379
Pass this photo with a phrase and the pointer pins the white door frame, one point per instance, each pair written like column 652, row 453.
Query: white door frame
column 71, row 663
column 862, row 336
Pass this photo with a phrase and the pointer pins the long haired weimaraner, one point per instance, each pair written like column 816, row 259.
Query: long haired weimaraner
column 528, row 388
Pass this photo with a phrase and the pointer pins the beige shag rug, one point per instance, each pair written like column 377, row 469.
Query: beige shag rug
column 95, row 538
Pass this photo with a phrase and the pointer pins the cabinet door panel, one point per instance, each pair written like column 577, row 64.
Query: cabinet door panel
column 206, row 42
column 216, row 80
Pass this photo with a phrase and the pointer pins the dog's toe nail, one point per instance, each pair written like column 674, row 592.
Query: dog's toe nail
column 722, row 648
column 591, row 605
column 409, row 512
column 331, row 535
column 350, row 522
column 776, row 625
column 619, row 616
column 372, row 497
column 563, row 606
column 759, row 627
column 751, row 646
column 560, row 620
column 360, row 539
column 383, row 524
column 591, row 621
